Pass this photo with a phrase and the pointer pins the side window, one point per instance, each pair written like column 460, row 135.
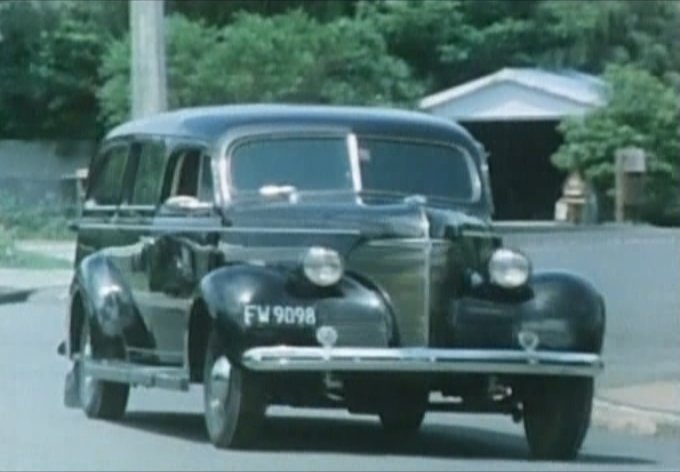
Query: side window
column 147, row 187
column 186, row 178
column 184, row 175
column 107, row 186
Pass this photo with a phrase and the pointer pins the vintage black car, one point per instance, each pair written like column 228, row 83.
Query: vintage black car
column 317, row 256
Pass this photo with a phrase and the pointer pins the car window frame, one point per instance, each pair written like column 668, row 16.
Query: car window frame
column 97, row 166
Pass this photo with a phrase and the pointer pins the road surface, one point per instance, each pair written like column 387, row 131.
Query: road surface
column 164, row 430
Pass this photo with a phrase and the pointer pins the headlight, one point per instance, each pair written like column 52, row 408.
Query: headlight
column 322, row 266
column 508, row 268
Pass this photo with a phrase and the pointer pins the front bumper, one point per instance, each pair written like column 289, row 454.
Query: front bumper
column 424, row 360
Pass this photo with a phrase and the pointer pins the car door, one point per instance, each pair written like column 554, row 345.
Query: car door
column 180, row 247
column 138, row 205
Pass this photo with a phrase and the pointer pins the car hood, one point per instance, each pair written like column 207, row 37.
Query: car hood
column 342, row 224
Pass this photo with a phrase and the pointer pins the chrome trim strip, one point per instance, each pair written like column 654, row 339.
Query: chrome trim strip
column 126, row 207
column 217, row 229
column 427, row 360
column 402, row 242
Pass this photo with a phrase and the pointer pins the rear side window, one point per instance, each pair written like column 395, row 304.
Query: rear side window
column 108, row 183
column 147, row 188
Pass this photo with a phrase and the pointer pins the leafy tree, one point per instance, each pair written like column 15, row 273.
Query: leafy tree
column 643, row 112
column 447, row 43
column 289, row 57
column 590, row 35
column 220, row 13
column 50, row 55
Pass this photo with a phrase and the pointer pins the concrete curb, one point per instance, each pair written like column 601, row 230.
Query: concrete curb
column 543, row 228
column 619, row 417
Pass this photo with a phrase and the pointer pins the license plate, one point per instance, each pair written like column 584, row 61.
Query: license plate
column 278, row 315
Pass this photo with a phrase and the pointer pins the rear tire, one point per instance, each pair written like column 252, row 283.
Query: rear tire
column 98, row 398
column 234, row 406
column 557, row 416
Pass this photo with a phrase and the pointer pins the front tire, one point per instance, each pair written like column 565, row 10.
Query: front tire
column 557, row 416
column 233, row 399
column 98, row 398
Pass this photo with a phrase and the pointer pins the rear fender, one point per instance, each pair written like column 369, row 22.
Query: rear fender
column 107, row 303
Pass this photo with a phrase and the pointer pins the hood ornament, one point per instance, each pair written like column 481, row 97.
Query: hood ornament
column 528, row 340
column 327, row 336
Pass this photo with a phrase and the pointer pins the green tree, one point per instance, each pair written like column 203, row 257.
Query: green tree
column 284, row 58
column 50, row 55
column 590, row 35
column 447, row 43
column 642, row 111
column 220, row 13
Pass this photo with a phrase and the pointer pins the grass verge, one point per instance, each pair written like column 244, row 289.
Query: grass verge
column 30, row 260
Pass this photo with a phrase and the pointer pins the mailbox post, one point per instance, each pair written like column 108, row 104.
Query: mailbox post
column 630, row 167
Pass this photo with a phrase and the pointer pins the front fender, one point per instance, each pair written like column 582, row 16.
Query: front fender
column 227, row 291
column 359, row 314
column 566, row 311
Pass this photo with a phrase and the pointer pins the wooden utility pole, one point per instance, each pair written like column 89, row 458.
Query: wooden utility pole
column 148, row 78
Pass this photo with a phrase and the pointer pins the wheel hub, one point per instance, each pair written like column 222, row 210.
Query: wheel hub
column 87, row 382
column 219, row 384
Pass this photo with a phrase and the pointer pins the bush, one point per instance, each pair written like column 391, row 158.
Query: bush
column 642, row 112
column 19, row 220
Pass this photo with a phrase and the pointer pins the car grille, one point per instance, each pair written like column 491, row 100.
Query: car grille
column 414, row 275
column 354, row 328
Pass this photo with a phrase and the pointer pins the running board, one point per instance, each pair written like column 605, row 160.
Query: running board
column 172, row 378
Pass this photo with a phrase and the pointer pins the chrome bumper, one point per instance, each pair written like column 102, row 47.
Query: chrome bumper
column 427, row 360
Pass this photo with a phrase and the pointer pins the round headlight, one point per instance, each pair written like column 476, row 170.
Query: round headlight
column 322, row 266
column 508, row 268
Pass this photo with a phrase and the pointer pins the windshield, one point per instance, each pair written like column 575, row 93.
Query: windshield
column 385, row 166
column 415, row 168
column 301, row 163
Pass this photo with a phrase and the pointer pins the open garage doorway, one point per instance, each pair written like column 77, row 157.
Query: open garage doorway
column 514, row 113
column 524, row 181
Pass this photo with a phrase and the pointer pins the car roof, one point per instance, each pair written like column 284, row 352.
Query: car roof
column 211, row 122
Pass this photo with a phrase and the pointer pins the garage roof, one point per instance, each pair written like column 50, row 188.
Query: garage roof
column 513, row 94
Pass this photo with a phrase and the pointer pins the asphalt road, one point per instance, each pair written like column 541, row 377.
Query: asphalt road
column 637, row 269
column 164, row 430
